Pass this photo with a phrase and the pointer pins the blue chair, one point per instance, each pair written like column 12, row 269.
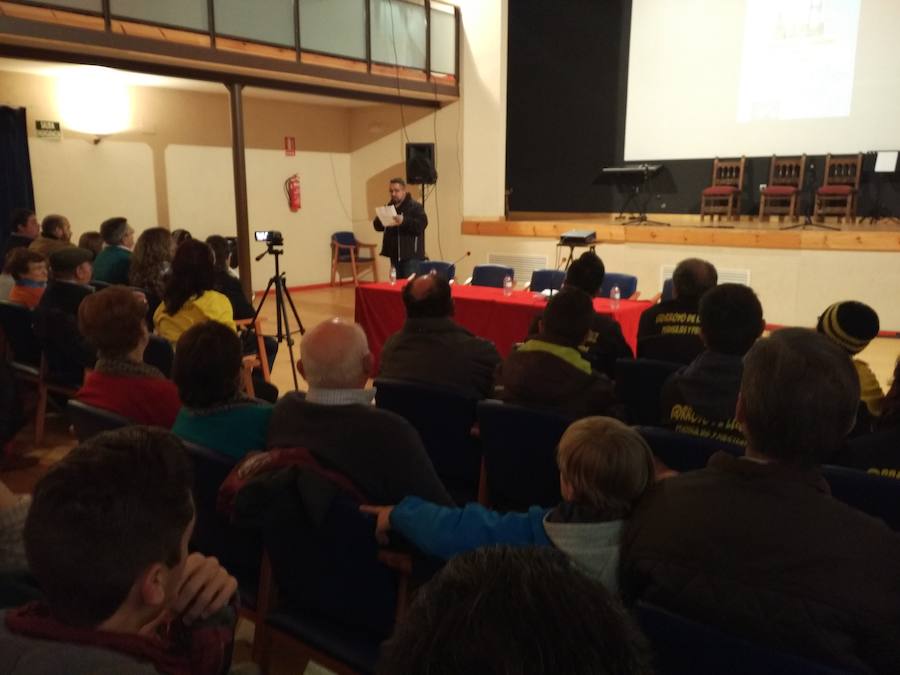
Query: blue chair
column 544, row 279
column 519, row 449
column 627, row 284
column 491, row 275
column 876, row 495
column 439, row 267
column 683, row 452
column 639, row 383
column 668, row 290
column 683, row 646
column 89, row 420
column 444, row 418
column 345, row 251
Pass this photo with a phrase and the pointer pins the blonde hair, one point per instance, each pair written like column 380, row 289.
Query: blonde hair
column 607, row 463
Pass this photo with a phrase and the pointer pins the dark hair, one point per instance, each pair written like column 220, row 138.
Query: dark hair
column 193, row 273
column 113, row 506
column 731, row 318
column 113, row 320
column 398, row 181
column 219, row 246
column 799, row 394
column 434, row 303
column 180, row 236
column 515, row 610
column 586, row 273
column 19, row 218
column 207, row 367
column 18, row 260
column 92, row 241
column 50, row 223
column 150, row 260
column 692, row 278
column 568, row 317
column 890, row 407
column 113, row 230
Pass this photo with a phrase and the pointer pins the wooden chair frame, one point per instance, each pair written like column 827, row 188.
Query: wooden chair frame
column 843, row 170
column 725, row 173
column 337, row 248
column 256, row 325
column 783, row 172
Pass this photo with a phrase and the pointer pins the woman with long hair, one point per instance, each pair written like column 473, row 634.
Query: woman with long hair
column 151, row 261
column 188, row 297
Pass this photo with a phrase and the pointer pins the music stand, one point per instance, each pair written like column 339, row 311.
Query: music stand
column 885, row 163
column 626, row 174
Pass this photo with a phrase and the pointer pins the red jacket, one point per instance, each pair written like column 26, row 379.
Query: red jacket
column 146, row 400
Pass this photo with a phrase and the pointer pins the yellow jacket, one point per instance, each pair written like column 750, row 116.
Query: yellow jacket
column 869, row 389
column 211, row 306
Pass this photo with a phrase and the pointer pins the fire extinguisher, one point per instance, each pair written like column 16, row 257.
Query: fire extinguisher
column 292, row 190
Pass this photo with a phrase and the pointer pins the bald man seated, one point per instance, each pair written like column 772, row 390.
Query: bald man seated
column 335, row 420
column 434, row 349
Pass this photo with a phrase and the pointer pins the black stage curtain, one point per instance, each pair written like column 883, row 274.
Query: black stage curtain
column 16, row 189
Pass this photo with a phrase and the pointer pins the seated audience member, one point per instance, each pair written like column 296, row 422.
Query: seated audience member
column 114, row 320
column 756, row 545
column 112, row 263
column 225, row 282
column 550, row 372
column 13, row 511
column 189, row 298
column 56, row 234
column 23, row 228
column 878, row 452
column 604, row 468
column 216, row 413
column 604, row 342
column 151, row 262
column 700, row 399
column 853, row 325
column 29, row 272
column 92, row 241
column 515, row 610
column 107, row 540
column 180, row 236
column 377, row 450
column 679, row 317
column 56, row 316
column 432, row 348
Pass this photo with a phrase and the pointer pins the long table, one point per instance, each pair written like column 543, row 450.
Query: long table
column 485, row 311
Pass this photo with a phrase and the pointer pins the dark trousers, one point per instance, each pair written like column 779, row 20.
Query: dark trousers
column 405, row 267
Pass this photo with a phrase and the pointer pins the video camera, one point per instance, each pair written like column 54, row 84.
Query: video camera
column 271, row 237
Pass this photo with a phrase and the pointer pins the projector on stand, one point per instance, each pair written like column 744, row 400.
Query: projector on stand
column 577, row 238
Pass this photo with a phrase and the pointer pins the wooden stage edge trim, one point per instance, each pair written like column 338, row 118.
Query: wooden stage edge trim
column 687, row 230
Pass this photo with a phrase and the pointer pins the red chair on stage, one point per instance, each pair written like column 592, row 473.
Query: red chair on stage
column 837, row 195
column 779, row 197
column 723, row 197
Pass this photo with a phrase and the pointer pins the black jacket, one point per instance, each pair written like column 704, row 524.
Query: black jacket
column 603, row 344
column 231, row 288
column 15, row 240
column 56, row 328
column 673, row 317
column 407, row 240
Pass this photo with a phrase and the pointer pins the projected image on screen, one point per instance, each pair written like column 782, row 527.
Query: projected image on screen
column 798, row 59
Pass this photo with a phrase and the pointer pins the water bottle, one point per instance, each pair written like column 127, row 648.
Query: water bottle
column 393, row 275
column 507, row 285
column 615, row 295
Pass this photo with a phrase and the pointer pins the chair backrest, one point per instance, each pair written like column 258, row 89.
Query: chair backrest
column 159, row 354
column 99, row 285
column 627, row 284
column 638, row 386
column 674, row 348
column 843, row 170
column 729, row 172
column 519, row 447
column 89, row 420
column 15, row 320
column 439, row 267
column 344, row 239
column 876, row 495
column 444, row 418
column 491, row 275
column 787, row 171
column 541, row 280
column 683, row 646
column 683, row 452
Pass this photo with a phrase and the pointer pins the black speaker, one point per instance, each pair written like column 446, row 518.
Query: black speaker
column 420, row 164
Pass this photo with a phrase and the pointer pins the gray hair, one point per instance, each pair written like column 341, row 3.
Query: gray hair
column 333, row 354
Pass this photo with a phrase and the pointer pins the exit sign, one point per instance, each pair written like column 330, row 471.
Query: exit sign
column 48, row 129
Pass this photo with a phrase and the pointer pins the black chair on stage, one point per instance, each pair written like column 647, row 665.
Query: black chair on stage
column 638, row 385
column 89, row 420
column 683, row 646
column 439, row 267
column 541, row 280
column 491, row 275
column 876, row 495
column 674, row 348
column 683, row 452
column 519, row 449
column 444, row 418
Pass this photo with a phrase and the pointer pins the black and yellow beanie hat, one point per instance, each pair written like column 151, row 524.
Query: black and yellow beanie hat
column 851, row 324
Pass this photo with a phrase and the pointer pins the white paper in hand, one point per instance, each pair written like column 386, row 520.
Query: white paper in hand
column 386, row 214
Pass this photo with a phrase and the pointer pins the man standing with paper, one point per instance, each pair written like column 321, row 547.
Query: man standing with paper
column 403, row 222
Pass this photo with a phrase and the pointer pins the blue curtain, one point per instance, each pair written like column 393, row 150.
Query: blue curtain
column 16, row 189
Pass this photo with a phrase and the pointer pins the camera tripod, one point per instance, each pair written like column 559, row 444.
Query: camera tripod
column 282, row 301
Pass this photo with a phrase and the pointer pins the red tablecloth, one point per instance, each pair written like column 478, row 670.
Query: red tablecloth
column 485, row 311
